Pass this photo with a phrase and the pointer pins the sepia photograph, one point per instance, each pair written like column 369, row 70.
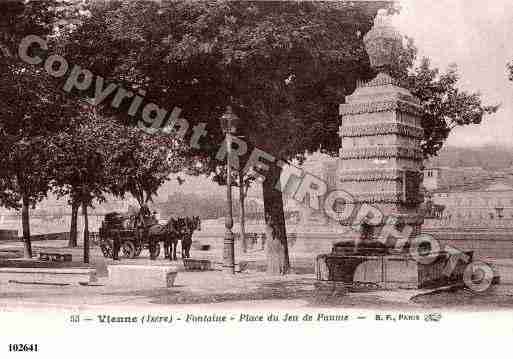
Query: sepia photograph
column 178, row 176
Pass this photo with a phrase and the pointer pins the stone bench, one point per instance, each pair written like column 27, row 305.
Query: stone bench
column 142, row 276
column 55, row 257
column 48, row 275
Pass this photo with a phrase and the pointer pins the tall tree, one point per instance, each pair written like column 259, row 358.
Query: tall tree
column 73, row 232
column 32, row 108
column 79, row 162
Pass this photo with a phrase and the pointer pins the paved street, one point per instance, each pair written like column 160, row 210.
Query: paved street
column 252, row 288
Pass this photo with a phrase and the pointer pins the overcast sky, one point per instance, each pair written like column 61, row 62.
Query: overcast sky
column 478, row 36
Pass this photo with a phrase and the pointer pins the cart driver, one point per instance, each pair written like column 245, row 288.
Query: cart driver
column 148, row 220
column 154, row 218
column 145, row 213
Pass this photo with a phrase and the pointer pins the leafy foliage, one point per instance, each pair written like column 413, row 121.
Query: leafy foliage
column 79, row 161
column 285, row 66
column 445, row 105
column 32, row 109
column 140, row 163
column 31, row 106
column 510, row 70
column 277, row 61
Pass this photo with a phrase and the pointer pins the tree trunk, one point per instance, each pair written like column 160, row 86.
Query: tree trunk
column 73, row 233
column 86, row 233
column 276, row 235
column 25, row 223
column 242, row 198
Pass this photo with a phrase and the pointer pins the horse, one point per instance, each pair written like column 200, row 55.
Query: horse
column 184, row 228
column 168, row 233
column 191, row 225
column 174, row 230
column 173, row 234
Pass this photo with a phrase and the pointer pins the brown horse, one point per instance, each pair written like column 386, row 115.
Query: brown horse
column 173, row 235
column 183, row 230
column 168, row 234
column 174, row 230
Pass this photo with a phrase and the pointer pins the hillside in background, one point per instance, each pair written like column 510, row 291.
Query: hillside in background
column 201, row 196
column 206, row 206
column 490, row 158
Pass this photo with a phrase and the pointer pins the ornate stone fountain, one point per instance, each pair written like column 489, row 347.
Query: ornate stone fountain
column 381, row 166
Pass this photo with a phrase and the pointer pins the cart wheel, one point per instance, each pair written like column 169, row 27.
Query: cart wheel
column 138, row 250
column 106, row 247
column 127, row 250
column 157, row 250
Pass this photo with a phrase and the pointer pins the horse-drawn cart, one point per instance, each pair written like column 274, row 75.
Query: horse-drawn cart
column 124, row 233
column 127, row 235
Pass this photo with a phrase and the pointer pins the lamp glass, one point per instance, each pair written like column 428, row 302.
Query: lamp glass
column 229, row 121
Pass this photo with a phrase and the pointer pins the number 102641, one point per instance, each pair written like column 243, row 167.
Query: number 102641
column 23, row 347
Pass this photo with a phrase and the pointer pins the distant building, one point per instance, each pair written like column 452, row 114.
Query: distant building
column 470, row 196
column 460, row 197
column 448, row 179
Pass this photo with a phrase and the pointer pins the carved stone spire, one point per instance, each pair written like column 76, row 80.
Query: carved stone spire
column 381, row 133
column 383, row 43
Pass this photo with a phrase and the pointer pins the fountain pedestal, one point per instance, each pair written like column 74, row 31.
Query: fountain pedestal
column 390, row 271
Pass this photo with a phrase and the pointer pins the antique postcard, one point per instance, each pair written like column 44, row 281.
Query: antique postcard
column 251, row 178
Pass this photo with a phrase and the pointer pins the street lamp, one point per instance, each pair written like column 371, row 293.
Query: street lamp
column 229, row 122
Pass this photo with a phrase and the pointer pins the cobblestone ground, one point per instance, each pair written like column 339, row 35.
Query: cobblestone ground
column 248, row 289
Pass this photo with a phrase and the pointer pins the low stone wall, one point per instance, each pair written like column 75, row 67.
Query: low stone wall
column 50, row 237
column 13, row 235
column 498, row 245
column 8, row 235
column 484, row 248
column 485, row 243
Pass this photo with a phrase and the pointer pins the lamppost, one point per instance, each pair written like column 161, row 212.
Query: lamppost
column 229, row 122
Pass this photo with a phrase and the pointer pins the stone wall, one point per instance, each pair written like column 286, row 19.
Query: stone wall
column 485, row 244
column 8, row 235
column 52, row 237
